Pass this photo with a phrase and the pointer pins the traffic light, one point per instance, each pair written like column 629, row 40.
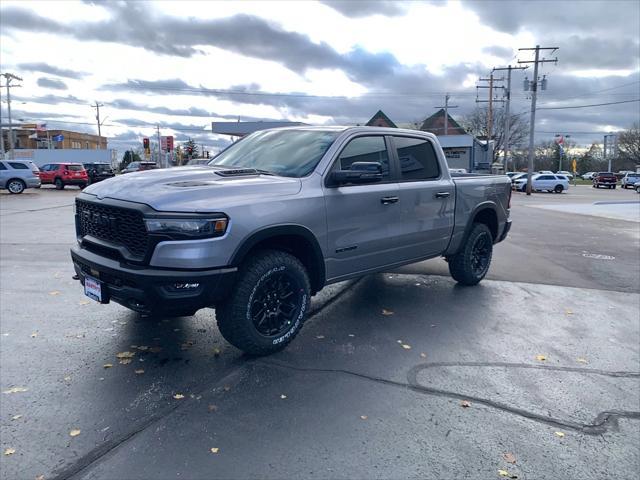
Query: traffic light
column 145, row 143
column 189, row 150
column 207, row 153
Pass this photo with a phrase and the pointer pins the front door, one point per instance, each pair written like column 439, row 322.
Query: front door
column 359, row 217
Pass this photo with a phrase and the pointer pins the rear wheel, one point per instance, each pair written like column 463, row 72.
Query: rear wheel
column 59, row 184
column 558, row 189
column 16, row 186
column 471, row 263
column 268, row 305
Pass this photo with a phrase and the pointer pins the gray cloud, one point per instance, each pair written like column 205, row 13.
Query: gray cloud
column 52, row 83
column 599, row 52
column 498, row 51
column 51, row 99
column 51, row 69
column 366, row 8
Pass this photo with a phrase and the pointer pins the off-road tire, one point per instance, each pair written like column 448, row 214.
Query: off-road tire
column 234, row 316
column 16, row 186
column 59, row 184
column 461, row 265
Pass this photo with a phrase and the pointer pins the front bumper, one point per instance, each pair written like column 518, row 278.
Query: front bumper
column 147, row 290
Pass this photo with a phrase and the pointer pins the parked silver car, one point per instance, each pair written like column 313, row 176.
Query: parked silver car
column 16, row 175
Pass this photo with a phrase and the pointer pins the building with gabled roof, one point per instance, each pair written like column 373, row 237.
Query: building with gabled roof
column 380, row 120
column 435, row 124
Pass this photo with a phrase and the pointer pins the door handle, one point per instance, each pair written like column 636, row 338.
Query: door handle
column 442, row 194
column 388, row 200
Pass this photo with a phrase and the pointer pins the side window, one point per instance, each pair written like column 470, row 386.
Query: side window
column 545, row 177
column 2, row 167
column 18, row 166
column 365, row 149
column 418, row 160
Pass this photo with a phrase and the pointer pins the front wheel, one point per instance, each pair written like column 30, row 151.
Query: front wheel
column 268, row 305
column 471, row 263
column 16, row 186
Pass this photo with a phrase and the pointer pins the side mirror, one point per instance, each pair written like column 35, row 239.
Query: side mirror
column 359, row 173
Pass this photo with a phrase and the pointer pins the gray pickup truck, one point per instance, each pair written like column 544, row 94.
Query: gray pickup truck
column 277, row 216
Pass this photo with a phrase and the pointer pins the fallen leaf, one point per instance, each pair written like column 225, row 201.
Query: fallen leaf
column 319, row 337
column 568, row 312
column 54, row 293
column 509, row 457
column 560, row 434
column 16, row 417
column 406, row 347
column 465, row 403
column 423, row 355
column 155, row 349
column 178, row 396
column 363, row 417
column 74, row 433
column 541, row 358
column 142, row 348
column 34, row 334
column 84, row 302
column 187, row 345
column 176, row 329
column 503, row 473
column 139, row 371
column 399, row 341
column 226, row 388
column 216, row 352
column 67, row 379
column 582, row 360
column 283, row 397
column 212, row 408
column 124, row 361
column 125, row 355
column 107, row 365
column 40, row 477
column 16, row 390
column 9, row 451
column 215, row 450
column 351, row 335
column 386, row 312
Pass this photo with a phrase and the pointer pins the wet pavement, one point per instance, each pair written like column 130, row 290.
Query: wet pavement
column 398, row 375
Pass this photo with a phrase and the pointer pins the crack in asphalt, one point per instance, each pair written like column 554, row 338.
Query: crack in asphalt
column 604, row 421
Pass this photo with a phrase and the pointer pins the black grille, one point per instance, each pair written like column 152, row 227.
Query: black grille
column 120, row 226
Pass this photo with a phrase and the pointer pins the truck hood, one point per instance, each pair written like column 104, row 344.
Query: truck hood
column 194, row 189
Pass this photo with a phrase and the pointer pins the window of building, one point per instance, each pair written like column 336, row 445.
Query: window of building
column 365, row 149
column 417, row 158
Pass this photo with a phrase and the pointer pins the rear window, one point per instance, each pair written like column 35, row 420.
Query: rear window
column 75, row 168
column 19, row 166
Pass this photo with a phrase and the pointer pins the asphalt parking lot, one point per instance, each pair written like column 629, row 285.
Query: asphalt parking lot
column 534, row 373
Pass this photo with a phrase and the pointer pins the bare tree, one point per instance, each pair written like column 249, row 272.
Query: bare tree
column 476, row 123
column 629, row 147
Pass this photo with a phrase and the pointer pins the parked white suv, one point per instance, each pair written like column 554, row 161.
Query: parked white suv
column 542, row 182
column 16, row 175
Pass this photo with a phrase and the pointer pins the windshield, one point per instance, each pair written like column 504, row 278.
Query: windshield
column 102, row 167
column 289, row 153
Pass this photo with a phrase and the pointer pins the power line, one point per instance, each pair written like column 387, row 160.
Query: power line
column 592, row 105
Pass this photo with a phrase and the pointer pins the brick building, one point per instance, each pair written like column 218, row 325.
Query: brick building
column 70, row 139
column 380, row 120
column 435, row 124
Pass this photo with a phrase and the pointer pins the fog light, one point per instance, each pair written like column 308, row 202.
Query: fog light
column 185, row 286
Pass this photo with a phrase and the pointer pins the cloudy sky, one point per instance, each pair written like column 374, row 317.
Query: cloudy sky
column 184, row 64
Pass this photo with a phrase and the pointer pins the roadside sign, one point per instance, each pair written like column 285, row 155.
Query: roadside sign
column 57, row 138
column 574, row 166
column 166, row 143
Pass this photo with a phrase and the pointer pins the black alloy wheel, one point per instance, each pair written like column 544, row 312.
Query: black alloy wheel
column 276, row 304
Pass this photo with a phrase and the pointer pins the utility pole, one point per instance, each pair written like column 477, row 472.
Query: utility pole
column 446, row 113
column 534, row 92
column 159, row 147
column 1, row 131
column 609, row 149
column 97, row 107
column 507, row 113
column 491, row 80
column 8, row 77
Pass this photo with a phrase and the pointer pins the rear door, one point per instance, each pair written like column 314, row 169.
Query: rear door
column 46, row 174
column 427, row 200
column 359, row 216
column 4, row 175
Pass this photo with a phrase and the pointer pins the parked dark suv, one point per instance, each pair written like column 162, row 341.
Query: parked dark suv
column 98, row 171
column 606, row 179
column 139, row 167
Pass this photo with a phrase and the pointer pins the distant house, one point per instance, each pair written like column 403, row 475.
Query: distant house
column 380, row 120
column 435, row 125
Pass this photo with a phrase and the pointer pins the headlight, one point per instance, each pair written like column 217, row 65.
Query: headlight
column 189, row 227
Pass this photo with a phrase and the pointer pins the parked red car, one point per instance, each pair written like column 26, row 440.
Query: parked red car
column 63, row 174
column 606, row 179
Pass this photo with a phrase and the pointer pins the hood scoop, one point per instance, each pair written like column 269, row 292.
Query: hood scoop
column 237, row 172
column 189, row 183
